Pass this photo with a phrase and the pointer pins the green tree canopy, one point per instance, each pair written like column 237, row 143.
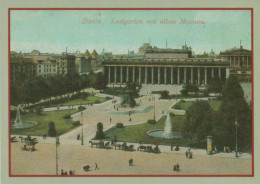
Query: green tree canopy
column 198, row 123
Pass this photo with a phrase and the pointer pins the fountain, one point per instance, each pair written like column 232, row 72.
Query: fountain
column 167, row 133
column 17, row 124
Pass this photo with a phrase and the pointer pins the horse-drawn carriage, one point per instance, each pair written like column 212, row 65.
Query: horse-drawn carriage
column 149, row 149
column 13, row 139
column 123, row 146
column 100, row 144
column 29, row 146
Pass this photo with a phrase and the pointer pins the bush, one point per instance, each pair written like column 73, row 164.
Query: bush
column 52, row 130
column 182, row 101
column 81, row 108
column 151, row 121
column 119, row 125
column 99, row 133
column 97, row 101
column 67, row 116
column 76, row 123
column 108, row 98
column 164, row 94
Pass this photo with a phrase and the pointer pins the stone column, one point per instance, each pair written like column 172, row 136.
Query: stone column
column 212, row 73
column 109, row 80
column 133, row 74
column 140, row 76
column 230, row 61
column 115, row 74
column 198, row 76
column 227, row 73
column 159, row 75
column 247, row 61
column 185, row 75
column 206, row 76
column 178, row 75
column 146, row 75
column 191, row 75
column 171, row 75
column 165, row 75
column 121, row 75
column 219, row 73
column 127, row 74
column 152, row 75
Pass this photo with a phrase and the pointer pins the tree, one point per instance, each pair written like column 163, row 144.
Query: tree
column 234, row 108
column 189, row 88
column 215, row 85
column 52, row 130
column 165, row 94
column 99, row 132
column 198, row 120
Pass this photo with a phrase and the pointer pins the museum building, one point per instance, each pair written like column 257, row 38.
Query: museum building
column 165, row 66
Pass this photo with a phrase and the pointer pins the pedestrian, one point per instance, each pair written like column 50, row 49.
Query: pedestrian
column 171, row 146
column 96, row 166
column 129, row 113
column 70, row 172
column 131, row 162
column 162, row 112
column 187, row 154
column 130, row 119
column 177, row 148
column 177, row 167
column 117, row 109
column 66, row 173
column 62, row 172
column 190, row 155
column 110, row 120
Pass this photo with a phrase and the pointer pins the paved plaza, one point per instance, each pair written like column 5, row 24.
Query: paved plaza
column 115, row 162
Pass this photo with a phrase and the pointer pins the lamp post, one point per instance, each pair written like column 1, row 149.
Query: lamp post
column 154, row 109
column 236, row 124
column 82, row 143
column 57, row 143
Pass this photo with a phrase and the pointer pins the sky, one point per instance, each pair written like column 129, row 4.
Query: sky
column 53, row 30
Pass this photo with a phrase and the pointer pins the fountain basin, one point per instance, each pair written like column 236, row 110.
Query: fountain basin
column 161, row 134
column 21, row 125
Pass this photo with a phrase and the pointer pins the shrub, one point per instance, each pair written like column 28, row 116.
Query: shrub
column 67, row 116
column 182, row 101
column 108, row 98
column 99, row 132
column 97, row 101
column 119, row 125
column 151, row 121
column 76, row 123
column 52, row 130
column 81, row 108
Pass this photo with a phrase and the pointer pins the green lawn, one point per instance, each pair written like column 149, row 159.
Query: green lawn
column 137, row 133
column 215, row 104
column 62, row 125
column 89, row 100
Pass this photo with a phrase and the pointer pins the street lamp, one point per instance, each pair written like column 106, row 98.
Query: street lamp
column 57, row 143
column 236, row 155
column 154, row 109
column 82, row 143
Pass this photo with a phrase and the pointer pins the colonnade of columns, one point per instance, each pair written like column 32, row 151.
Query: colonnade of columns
column 164, row 75
column 239, row 61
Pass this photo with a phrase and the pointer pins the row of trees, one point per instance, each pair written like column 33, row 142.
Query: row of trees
column 35, row 89
column 202, row 121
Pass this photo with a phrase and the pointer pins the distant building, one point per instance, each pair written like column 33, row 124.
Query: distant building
column 82, row 62
column 46, row 66
column 35, row 53
column 22, row 68
column 65, row 64
column 239, row 62
column 144, row 48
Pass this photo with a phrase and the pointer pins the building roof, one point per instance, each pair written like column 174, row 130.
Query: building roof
column 236, row 52
column 87, row 53
column 94, row 54
column 21, row 60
